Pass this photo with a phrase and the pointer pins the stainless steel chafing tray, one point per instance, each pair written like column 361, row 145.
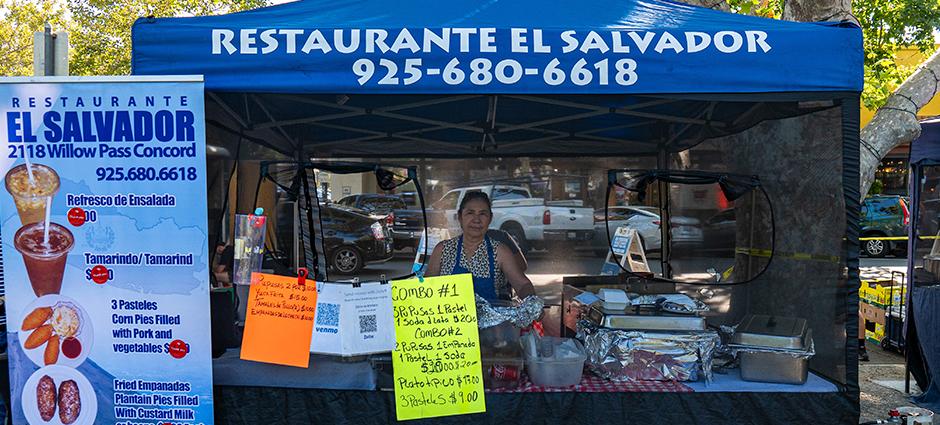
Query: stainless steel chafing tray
column 771, row 331
column 622, row 319
column 773, row 349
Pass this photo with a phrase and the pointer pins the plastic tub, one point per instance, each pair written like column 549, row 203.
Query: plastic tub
column 555, row 371
column 499, row 340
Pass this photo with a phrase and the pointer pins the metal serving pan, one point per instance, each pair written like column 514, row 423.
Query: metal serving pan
column 658, row 322
column 771, row 331
column 774, row 349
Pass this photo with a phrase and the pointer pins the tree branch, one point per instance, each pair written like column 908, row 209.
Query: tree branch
column 896, row 123
column 710, row 4
column 818, row 11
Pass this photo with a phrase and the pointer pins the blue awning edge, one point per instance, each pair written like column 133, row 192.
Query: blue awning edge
column 501, row 47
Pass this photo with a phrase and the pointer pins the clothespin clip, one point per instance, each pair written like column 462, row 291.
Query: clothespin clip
column 302, row 276
column 420, row 274
column 257, row 219
column 537, row 326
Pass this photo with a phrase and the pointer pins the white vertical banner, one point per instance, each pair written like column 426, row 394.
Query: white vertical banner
column 104, row 225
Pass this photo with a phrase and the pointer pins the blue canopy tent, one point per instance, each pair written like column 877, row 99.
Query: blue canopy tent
column 617, row 79
column 922, row 334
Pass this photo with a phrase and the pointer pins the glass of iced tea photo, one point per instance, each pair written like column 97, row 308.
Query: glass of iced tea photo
column 45, row 260
column 31, row 194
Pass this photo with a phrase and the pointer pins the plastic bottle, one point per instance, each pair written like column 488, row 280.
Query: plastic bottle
column 894, row 416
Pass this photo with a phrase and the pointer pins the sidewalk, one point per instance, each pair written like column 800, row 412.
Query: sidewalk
column 882, row 378
column 882, row 384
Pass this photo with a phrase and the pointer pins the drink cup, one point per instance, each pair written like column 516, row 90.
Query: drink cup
column 45, row 262
column 31, row 196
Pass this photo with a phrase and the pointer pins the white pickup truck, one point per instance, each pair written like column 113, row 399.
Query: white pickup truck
column 533, row 222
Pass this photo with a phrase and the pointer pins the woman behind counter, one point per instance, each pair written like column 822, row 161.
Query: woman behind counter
column 496, row 272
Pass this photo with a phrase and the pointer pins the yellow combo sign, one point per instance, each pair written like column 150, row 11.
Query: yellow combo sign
column 437, row 355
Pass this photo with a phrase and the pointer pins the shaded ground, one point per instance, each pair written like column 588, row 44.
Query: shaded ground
column 888, row 369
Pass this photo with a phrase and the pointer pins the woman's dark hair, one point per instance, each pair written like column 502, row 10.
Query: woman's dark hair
column 475, row 195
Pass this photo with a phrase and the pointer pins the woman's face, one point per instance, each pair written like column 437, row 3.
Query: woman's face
column 475, row 218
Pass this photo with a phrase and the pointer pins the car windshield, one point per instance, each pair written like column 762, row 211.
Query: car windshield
column 648, row 211
column 382, row 204
column 410, row 199
column 652, row 210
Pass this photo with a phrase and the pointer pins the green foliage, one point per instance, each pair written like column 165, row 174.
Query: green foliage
column 888, row 27
column 877, row 187
column 103, row 46
column 18, row 20
column 881, row 79
column 766, row 8
column 99, row 30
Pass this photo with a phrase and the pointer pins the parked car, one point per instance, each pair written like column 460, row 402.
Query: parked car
column 646, row 223
column 406, row 219
column 685, row 233
column 720, row 233
column 532, row 222
column 353, row 238
column 884, row 216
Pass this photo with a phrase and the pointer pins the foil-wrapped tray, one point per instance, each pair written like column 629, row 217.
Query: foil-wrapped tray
column 522, row 315
column 622, row 355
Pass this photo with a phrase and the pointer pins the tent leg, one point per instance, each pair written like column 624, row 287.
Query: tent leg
column 662, row 160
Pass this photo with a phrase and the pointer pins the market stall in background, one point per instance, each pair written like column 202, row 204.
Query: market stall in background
column 682, row 184
column 919, row 319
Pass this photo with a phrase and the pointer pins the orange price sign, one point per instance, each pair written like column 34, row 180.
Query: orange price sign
column 279, row 320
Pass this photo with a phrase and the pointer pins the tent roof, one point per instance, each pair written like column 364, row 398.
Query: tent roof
column 489, row 125
column 671, row 48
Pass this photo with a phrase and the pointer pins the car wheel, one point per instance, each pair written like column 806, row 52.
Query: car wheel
column 876, row 248
column 346, row 260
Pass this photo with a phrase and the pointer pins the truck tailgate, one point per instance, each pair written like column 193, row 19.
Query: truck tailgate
column 570, row 218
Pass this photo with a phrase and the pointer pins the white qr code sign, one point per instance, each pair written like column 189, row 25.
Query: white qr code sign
column 367, row 324
column 328, row 314
column 353, row 320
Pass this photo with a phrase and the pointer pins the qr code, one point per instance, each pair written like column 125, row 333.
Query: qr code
column 367, row 324
column 327, row 314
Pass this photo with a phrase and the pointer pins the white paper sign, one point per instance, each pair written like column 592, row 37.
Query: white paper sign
column 436, row 236
column 353, row 320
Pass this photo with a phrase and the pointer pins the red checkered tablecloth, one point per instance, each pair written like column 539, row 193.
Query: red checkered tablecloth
column 591, row 383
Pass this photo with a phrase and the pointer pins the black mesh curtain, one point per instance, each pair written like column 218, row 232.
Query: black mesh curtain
column 799, row 162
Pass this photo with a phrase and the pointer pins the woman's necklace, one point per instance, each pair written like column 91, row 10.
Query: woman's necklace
column 471, row 248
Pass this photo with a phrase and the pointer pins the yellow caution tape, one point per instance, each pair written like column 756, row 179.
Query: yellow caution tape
column 897, row 238
column 727, row 274
column 792, row 255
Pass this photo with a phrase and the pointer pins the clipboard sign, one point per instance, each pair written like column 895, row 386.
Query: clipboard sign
column 628, row 249
column 430, row 239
